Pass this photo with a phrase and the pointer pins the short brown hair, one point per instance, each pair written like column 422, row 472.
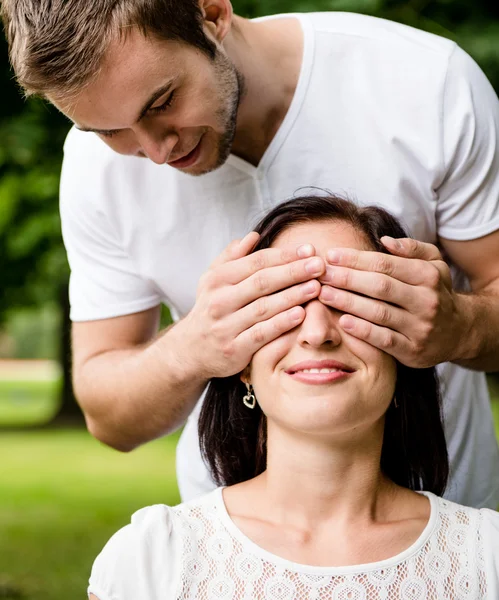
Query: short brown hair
column 56, row 46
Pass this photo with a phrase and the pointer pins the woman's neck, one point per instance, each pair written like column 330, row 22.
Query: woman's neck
column 310, row 480
column 314, row 496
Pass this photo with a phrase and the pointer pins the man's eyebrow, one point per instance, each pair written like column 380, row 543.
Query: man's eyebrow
column 147, row 105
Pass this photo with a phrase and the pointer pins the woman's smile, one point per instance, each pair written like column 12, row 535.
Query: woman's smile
column 319, row 372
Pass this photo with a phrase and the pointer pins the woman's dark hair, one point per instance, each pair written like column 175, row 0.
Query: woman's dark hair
column 414, row 453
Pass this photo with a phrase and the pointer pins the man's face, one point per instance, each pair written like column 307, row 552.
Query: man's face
column 162, row 100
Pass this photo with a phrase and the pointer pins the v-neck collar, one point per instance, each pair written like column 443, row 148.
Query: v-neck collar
column 294, row 108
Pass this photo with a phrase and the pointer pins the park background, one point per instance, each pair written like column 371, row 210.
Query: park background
column 62, row 494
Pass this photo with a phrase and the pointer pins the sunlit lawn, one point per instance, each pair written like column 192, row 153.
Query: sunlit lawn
column 62, row 494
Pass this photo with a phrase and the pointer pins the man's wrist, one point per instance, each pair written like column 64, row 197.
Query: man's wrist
column 467, row 346
column 180, row 352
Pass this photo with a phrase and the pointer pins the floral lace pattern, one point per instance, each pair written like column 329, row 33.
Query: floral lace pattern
column 219, row 565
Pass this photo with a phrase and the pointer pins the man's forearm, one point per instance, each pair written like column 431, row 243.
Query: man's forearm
column 132, row 396
column 479, row 347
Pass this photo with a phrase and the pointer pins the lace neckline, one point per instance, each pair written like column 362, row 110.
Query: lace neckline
column 254, row 548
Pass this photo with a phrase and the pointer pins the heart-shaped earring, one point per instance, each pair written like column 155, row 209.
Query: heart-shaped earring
column 249, row 400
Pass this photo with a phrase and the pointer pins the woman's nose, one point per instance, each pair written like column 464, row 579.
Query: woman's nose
column 320, row 325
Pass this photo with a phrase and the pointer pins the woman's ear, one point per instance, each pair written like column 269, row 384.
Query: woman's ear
column 246, row 375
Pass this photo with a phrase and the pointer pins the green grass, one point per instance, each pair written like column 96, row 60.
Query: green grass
column 62, row 496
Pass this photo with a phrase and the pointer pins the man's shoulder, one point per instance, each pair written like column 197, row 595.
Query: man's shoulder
column 91, row 173
column 390, row 35
column 92, row 170
column 88, row 161
column 83, row 145
column 84, row 151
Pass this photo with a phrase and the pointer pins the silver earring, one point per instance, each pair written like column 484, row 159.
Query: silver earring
column 249, row 400
column 395, row 401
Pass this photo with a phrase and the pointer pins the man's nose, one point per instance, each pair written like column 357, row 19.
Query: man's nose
column 320, row 326
column 156, row 145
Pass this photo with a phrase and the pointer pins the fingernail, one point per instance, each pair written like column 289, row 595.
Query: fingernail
column 296, row 314
column 346, row 322
column 392, row 242
column 247, row 236
column 314, row 266
column 328, row 293
column 305, row 251
column 309, row 287
column 329, row 274
column 333, row 256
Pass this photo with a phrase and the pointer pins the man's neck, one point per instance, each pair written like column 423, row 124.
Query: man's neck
column 268, row 54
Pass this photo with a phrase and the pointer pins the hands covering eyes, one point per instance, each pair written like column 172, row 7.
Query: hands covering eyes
column 401, row 303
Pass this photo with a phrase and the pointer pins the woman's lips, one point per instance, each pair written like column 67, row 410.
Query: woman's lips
column 317, row 372
column 319, row 378
column 188, row 160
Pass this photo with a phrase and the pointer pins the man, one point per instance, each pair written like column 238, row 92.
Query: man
column 257, row 110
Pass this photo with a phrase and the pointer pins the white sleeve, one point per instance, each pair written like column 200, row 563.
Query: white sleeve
column 104, row 282
column 468, row 196
column 490, row 541
column 140, row 562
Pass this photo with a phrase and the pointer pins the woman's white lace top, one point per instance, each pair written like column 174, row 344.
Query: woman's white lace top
column 194, row 551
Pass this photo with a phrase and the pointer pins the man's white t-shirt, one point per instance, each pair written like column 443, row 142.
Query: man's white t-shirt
column 385, row 113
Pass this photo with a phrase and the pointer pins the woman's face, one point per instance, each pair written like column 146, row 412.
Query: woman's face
column 317, row 378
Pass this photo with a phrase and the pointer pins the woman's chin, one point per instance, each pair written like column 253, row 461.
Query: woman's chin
column 323, row 419
column 325, row 416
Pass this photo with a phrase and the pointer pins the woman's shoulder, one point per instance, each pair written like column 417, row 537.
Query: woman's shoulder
column 471, row 530
column 465, row 517
column 124, row 566
column 146, row 554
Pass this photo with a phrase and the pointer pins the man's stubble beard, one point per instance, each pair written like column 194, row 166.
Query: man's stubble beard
column 232, row 88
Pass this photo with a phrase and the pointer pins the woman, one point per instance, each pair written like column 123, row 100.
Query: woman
column 326, row 444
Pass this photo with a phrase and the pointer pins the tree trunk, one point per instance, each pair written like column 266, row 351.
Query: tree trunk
column 69, row 412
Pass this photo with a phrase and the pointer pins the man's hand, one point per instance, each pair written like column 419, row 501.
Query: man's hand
column 406, row 305
column 244, row 301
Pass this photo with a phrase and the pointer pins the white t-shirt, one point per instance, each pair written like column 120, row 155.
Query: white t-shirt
column 196, row 551
column 388, row 114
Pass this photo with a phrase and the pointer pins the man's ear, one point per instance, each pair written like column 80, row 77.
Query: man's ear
column 217, row 17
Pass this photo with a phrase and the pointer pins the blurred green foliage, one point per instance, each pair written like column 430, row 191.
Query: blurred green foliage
column 31, row 332
column 32, row 259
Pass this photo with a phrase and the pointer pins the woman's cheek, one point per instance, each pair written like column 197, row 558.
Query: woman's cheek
column 272, row 353
column 366, row 353
column 265, row 361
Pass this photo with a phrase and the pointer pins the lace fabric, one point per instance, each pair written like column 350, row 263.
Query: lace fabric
column 219, row 563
